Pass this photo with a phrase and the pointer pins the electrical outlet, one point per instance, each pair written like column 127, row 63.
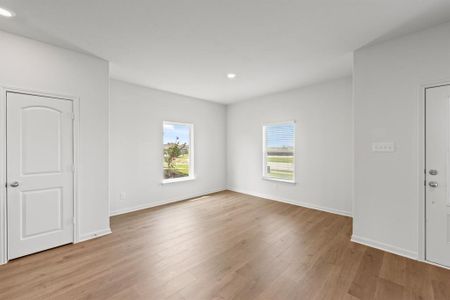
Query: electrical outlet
column 123, row 196
column 383, row 147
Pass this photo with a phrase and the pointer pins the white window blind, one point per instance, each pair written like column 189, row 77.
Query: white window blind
column 279, row 151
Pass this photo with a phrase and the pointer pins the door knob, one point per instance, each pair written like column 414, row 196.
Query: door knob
column 433, row 172
column 433, row 184
column 14, row 184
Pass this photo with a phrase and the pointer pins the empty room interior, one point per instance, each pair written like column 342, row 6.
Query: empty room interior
column 205, row 149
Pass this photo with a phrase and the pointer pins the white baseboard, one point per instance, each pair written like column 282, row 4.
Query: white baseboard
column 434, row 264
column 385, row 247
column 158, row 203
column 93, row 235
column 294, row 202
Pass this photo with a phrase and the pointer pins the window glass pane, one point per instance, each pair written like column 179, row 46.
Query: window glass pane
column 279, row 151
column 176, row 150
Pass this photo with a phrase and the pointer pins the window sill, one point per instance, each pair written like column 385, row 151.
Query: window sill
column 279, row 180
column 181, row 179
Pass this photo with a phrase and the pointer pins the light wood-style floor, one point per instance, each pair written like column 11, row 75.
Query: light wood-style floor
column 223, row 246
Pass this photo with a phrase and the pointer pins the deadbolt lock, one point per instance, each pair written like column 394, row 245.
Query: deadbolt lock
column 433, row 172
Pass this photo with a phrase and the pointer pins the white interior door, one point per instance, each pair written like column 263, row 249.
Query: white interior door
column 437, row 193
column 39, row 173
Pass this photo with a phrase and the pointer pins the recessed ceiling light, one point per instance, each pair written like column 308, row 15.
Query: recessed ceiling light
column 231, row 75
column 6, row 13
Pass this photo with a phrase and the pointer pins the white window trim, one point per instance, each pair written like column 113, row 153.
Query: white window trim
column 191, row 154
column 264, row 170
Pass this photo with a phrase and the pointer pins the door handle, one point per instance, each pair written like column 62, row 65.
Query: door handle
column 14, row 184
column 433, row 184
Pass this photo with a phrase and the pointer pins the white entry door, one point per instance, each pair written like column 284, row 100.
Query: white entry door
column 437, row 175
column 39, row 173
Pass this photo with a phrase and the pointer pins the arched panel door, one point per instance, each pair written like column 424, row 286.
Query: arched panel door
column 39, row 173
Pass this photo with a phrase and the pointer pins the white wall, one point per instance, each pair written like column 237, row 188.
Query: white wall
column 387, row 95
column 31, row 65
column 324, row 150
column 136, row 115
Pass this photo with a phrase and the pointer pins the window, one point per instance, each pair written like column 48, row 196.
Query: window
column 178, row 151
column 279, row 151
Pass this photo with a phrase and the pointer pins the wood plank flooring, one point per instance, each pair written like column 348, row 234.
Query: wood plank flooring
column 223, row 246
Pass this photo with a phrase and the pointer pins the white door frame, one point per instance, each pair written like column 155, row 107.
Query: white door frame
column 421, row 168
column 3, row 162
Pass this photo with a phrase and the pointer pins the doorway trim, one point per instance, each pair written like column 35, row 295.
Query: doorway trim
column 421, row 168
column 3, row 163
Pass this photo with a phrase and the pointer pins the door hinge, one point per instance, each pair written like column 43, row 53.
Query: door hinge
column 73, row 168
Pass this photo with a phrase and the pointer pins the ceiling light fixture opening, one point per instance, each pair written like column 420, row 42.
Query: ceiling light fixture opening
column 231, row 75
column 6, row 13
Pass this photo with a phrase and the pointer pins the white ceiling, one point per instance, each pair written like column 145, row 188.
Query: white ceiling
column 188, row 46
